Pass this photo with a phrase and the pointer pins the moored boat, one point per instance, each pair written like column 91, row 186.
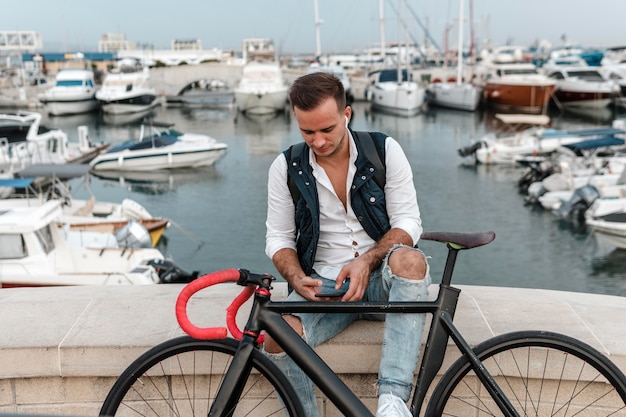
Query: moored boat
column 162, row 148
column 74, row 92
column 511, row 83
column 126, row 90
column 37, row 251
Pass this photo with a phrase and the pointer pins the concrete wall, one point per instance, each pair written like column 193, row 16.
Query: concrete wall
column 62, row 348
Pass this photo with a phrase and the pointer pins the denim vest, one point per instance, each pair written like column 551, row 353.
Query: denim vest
column 367, row 199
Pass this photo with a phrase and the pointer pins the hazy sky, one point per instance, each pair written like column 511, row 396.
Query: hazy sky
column 349, row 25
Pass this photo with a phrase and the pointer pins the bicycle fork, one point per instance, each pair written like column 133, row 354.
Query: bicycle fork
column 235, row 380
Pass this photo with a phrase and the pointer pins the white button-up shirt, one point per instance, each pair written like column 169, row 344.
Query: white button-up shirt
column 342, row 237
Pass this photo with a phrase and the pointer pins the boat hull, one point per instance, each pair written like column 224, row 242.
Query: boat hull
column 527, row 98
column 69, row 107
column 584, row 99
column 454, row 96
column 405, row 99
column 153, row 160
column 613, row 233
column 126, row 105
column 260, row 102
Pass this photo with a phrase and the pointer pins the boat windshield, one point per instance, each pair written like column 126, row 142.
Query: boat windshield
column 519, row 71
column 44, row 236
column 587, row 75
column 12, row 246
column 69, row 83
column 392, row 76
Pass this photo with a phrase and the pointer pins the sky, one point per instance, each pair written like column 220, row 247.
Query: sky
column 348, row 25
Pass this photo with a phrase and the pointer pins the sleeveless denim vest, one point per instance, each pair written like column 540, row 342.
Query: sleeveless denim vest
column 367, row 198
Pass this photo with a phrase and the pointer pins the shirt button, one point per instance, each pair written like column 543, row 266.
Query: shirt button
column 363, row 177
column 371, row 169
column 372, row 199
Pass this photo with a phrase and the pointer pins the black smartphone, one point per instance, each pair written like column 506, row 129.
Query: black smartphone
column 335, row 293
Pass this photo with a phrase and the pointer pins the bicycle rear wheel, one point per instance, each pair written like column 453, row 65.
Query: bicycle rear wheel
column 541, row 373
column 181, row 377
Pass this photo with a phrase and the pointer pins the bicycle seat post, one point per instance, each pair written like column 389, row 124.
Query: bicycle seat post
column 448, row 269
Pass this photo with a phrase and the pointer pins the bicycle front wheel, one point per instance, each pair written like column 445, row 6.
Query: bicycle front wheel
column 541, row 373
column 181, row 377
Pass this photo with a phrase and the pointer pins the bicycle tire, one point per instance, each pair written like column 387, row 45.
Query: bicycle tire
column 541, row 373
column 181, row 376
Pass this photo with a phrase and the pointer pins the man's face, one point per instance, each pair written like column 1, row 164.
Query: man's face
column 324, row 128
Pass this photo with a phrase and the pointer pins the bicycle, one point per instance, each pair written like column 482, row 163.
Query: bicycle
column 514, row 374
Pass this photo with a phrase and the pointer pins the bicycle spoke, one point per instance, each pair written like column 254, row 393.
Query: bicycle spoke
column 186, row 383
column 553, row 377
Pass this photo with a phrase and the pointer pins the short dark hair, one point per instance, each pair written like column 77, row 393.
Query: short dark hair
column 309, row 91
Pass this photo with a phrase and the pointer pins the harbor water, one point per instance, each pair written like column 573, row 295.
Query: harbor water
column 218, row 213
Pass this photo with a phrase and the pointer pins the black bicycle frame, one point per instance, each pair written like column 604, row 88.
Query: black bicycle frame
column 266, row 315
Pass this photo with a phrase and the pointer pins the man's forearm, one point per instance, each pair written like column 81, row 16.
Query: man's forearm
column 377, row 253
column 288, row 265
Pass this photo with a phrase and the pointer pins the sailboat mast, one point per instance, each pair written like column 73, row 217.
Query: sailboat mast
column 381, row 25
column 459, row 70
column 318, row 23
column 399, row 43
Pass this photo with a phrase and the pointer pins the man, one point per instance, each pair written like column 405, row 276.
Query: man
column 345, row 232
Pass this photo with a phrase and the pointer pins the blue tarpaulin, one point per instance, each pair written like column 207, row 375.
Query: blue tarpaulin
column 16, row 182
column 595, row 143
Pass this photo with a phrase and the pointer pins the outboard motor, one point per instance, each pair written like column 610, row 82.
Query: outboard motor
column 133, row 235
column 170, row 273
column 470, row 150
column 576, row 206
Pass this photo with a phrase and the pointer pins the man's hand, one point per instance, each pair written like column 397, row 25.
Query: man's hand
column 359, row 273
column 307, row 287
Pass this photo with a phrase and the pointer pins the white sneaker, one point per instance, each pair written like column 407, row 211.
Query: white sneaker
column 391, row 406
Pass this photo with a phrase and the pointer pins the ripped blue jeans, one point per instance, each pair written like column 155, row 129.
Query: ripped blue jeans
column 401, row 342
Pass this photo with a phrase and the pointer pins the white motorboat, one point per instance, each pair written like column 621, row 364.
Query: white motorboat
column 535, row 141
column 606, row 219
column 74, row 92
column 37, row 250
column 262, row 89
column 126, row 89
column 582, row 87
column 393, row 91
column 24, row 142
column 162, row 148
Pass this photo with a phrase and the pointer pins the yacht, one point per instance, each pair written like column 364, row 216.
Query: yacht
column 126, row 89
column 74, row 92
column 512, row 83
column 262, row 88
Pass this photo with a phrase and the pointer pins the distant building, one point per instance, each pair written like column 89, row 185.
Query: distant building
column 20, row 41
column 185, row 45
column 114, row 42
column 52, row 62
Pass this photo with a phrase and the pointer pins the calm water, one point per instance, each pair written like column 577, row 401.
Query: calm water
column 218, row 213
